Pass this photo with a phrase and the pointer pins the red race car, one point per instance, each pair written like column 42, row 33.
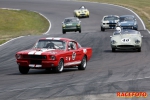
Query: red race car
column 53, row 53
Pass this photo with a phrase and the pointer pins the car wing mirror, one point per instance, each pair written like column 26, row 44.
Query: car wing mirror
column 111, row 36
column 62, row 22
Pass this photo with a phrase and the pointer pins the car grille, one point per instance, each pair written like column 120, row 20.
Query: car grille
column 34, row 57
column 125, row 46
column 127, row 27
column 35, row 61
column 82, row 14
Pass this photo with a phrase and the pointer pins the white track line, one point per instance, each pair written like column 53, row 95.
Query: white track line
column 23, row 36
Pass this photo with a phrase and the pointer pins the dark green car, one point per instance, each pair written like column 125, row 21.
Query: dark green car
column 71, row 24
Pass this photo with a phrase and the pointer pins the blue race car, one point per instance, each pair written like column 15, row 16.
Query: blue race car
column 128, row 22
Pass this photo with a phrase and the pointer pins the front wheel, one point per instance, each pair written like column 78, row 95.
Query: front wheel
column 23, row 70
column 102, row 29
column 64, row 32
column 83, row 64
column 139, row 49
column 60, row 67
column 113, row 49
column 80, row 31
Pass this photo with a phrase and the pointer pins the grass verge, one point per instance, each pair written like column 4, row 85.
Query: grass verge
column 141, row 7
column 14, row 23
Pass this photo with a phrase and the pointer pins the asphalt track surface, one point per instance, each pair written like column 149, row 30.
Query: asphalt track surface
column 107, row 72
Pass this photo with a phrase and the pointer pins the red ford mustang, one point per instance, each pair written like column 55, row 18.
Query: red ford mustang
column 53, row 53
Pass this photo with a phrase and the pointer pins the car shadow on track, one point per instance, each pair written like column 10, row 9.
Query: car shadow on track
column 122, row 51
column 43, row 71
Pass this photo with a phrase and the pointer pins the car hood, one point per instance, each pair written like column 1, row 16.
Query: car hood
column 71, row 24
column 129, row 36
column 126, row 23
column 41, row 51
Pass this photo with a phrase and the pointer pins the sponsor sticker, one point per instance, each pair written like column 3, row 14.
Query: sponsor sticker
column 132, row 94
column 73, row 56
column 125, row 40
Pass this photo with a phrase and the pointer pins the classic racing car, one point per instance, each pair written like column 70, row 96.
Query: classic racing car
column 109, row 22
column 127, row 22
column 126, row 39
column 55, row 54
column 71, row 24
column 82, row 12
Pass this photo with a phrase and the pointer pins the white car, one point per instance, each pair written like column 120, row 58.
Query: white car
column 126, row 39
column 109, row 22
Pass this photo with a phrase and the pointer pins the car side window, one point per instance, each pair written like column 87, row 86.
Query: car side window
column 72, row 45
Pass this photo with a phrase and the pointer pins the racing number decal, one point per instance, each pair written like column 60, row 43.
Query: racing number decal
column 73, row 56
column 125, row 40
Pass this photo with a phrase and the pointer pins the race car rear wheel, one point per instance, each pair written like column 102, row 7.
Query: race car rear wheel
column 60, row 66
column 83, row 64
column 23, row 70
column 102, row 29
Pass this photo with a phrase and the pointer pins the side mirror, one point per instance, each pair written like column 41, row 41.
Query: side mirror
column 111, row 36
column 62, row 22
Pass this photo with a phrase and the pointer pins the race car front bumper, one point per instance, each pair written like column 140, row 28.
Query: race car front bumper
column 37, row 64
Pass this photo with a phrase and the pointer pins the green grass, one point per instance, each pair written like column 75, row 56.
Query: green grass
column 14, row 23
column 141, row 7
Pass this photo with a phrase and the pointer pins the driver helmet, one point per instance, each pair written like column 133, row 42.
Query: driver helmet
column 82, row 7
column 118, row 29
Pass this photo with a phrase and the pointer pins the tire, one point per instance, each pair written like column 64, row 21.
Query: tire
column 139, row 49
column 113, row 49
column 83, row 64
column 102, row 29
column 23, row 70
column 80, row 31
column 60, row 66
column 64, row 32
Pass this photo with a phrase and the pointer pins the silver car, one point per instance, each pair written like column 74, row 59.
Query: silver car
column 109, row 22
column 126, row 39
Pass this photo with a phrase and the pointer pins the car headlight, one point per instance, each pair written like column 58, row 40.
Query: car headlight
column 63, row 25
column 137, row 41
column 113, row 42
column 18, row 56
column 53, row 57
column 134, row 23
column 78, row 25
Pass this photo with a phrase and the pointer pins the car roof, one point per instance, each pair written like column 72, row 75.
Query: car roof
column 57, row 38
column 71, row 18
column 111, row 16
column 127, row 16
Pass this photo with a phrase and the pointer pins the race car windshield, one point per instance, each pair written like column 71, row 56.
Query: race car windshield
column 126, row 19
column 130, row 32
column 82, row 7
column 70, row 20
column 50, row 44
column 117, row 33
column 111, row 18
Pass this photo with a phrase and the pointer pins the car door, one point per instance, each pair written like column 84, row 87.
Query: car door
column 73, row 55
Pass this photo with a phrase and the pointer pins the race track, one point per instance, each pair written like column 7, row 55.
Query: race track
column 107, row 72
